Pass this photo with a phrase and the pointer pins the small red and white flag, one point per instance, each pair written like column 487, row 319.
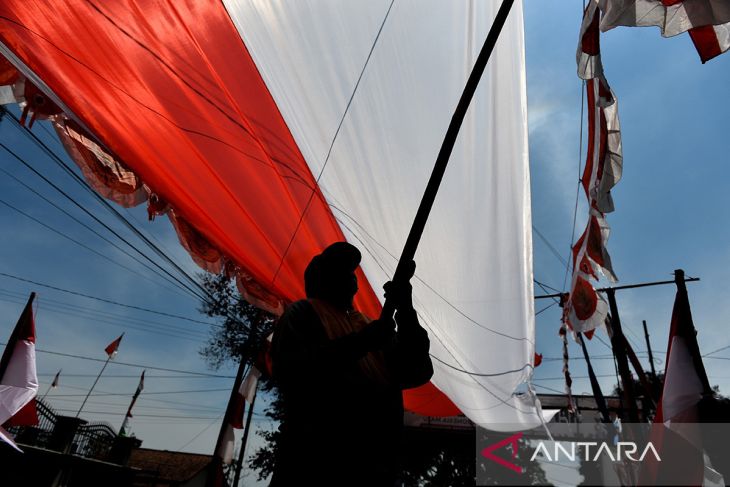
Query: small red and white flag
column 18, row 379
column 111, row 349
column 140, row 388
column 54, row 384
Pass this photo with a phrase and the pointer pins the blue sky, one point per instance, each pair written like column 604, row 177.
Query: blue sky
column 670, row 213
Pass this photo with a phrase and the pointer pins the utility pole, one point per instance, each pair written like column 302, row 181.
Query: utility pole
column 244, row 440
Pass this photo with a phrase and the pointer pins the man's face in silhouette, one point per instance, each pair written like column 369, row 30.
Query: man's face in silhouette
column 342, row 286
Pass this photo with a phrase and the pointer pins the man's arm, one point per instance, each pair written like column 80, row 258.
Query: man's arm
column 409, row 358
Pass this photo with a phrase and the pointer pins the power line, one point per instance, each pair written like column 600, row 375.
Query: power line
column 718, row 350
column 96, row 314
column 89, row 228
column 545, row 308
column 550, row 246
column 125, row 394
column 113, row 320
column 177, row 335
column 41, row 145
column 140, row 415
column 142, row 398
column 99, row 198
column 108, row 301
column 543, row 286
column 214, row 421
column 82, row 182
column 80, row 244
column 600, row 339
column 205, row 296
column 137, row 407
column 139, row 366
column 136, row 376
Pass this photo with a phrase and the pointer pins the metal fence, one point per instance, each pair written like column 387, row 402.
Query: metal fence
column 93, row 440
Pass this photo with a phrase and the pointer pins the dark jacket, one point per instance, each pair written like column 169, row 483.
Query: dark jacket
column 340, row 427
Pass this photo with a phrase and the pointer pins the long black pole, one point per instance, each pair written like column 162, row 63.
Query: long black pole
column 648, row 348
column 442, row 160
column 595, row 386
column 618, row 342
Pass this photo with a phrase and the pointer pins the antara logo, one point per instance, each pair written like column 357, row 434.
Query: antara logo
column 512, row 440
column 628, row 449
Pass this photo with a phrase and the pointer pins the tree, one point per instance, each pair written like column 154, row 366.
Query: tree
column 241, row 336
column 244, row 328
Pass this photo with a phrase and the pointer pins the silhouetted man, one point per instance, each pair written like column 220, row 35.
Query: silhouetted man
column 340, row 376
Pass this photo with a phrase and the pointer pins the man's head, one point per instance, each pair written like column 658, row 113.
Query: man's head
column 331, row 275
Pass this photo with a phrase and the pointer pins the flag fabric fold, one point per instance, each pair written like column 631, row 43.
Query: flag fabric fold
column 18, row 378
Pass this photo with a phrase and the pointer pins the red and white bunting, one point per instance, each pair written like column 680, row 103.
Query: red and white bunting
column 707, row 21
column 585, row 309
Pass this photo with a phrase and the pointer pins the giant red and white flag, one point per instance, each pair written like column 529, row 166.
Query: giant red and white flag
column 18, row 379
column 707, row 21
column 269, row 130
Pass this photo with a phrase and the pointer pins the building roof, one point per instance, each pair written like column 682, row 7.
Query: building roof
column 168, row 465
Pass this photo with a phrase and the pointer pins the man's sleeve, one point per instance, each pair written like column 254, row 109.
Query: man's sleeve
column 301, row 346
